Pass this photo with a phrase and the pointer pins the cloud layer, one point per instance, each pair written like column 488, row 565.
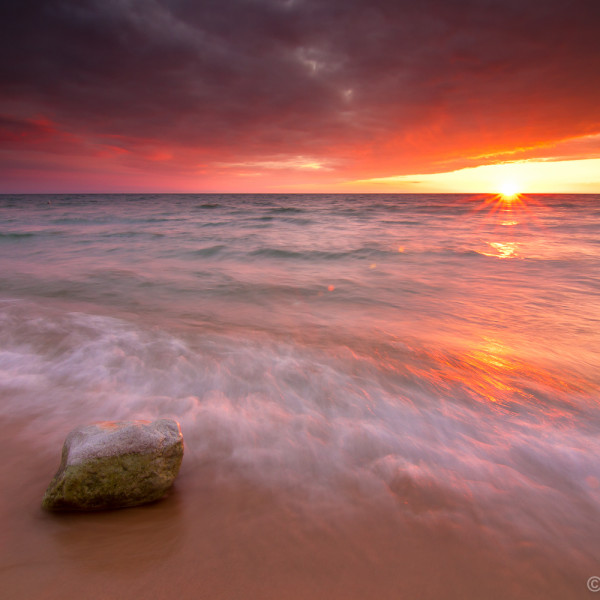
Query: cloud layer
column 176, row 89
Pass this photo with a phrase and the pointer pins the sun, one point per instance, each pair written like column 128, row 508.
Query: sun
column 509, row 190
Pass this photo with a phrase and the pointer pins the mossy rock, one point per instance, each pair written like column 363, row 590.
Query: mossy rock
column 115, row 465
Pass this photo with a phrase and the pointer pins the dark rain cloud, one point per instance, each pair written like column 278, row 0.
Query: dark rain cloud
column 393, row 84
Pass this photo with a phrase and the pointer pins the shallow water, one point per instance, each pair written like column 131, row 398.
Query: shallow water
column 381, row 396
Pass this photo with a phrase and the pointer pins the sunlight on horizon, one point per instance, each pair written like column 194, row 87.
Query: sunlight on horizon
column 509, row 190
column 508, row 179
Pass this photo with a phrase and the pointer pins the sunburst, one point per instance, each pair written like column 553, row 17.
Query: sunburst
column 509, row 191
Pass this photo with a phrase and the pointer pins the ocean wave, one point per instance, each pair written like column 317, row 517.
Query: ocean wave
column 287, row 210
column 311, row 255
column 208, row 251
column 17, row 235
column 366, row 358
column 433, row 431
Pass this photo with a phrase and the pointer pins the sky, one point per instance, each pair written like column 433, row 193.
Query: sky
column 299, row 96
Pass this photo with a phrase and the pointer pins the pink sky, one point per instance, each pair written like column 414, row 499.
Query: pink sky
column 298, row 95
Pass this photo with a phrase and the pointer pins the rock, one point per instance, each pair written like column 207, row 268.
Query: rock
column 116, row 464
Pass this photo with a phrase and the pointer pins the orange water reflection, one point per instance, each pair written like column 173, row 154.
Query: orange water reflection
column 502, row 212
column 502, row 250
column 490, row 373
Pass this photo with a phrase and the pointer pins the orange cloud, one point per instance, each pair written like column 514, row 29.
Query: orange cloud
column 195, row 96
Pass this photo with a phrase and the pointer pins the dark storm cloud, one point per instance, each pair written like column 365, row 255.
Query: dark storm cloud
column 12, row 130
column 396, row 80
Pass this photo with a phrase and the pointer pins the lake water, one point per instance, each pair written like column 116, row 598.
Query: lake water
column 381, row 396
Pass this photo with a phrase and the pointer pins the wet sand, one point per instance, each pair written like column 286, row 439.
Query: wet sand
column 228, row 537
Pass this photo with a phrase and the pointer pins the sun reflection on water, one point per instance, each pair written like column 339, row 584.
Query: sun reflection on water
column 505, row 215
column 502, row 250
column 507, row 209
column 489, row 373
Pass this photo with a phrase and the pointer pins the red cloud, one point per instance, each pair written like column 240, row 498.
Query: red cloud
column 367, row 88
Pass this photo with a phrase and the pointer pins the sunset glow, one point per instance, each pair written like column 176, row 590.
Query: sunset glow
column 349, row 250
column 509, row 191
column 300, row 96
column 535, row 177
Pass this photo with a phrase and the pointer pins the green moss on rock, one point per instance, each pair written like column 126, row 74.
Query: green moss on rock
column 115, row 465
